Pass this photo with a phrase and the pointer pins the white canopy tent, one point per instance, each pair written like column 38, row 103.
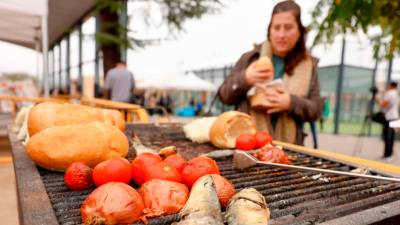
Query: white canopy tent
column 194, row 83
column 177, row 81
column 38, row 24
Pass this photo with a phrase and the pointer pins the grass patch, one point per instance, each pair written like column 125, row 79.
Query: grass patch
column 354, row 128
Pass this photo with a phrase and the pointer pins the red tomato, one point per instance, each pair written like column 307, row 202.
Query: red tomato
column 117, row 170
column 272, row 154
column 78, row 176
column 225, row 189
column 164, row 171
column 262, row 139
column 141, row 164
column 176, row 161
column 246, row 142
column 198, row 167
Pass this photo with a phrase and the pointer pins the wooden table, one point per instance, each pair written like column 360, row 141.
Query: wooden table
column 126, row 108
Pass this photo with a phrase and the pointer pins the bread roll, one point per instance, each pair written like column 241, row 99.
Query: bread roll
column 55, row 148
column 229, row 126
column 199, row 130
column 49, row 114
column 114, row 117
column 264, row 63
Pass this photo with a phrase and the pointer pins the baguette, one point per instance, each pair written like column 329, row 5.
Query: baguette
column 55, row 148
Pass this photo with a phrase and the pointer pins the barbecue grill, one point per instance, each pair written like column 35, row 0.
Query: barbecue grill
column 294, row 197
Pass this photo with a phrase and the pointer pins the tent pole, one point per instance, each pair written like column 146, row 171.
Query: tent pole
column 80, row 73
column 68, row 65
column 339, row 87
column 45, row 56
column 96, row 61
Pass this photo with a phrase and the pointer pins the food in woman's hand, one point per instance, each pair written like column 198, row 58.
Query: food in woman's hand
column 164, row 171
column 264, row 63
column 55, row 148
column 198, row 167
column 78, row 176
column 248, row 207
column 176, row 161
column 203, row 206
column 141, row 164
column 112, row 203
column 225, row 189
column 262, row 138
column 163, row 197
column 272, row 154
column 229, row 126
column 113, row 170
column 246, row 142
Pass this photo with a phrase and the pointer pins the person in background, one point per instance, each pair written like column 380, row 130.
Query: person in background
column 390, row 106
column 152, row 104
column 298, row 101
column 314, row 134
column 199, row 108
column 166, row 101
column 325, row 113
column 138, row 97
column 120, row 84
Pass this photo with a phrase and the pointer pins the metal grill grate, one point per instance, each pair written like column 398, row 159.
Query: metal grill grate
column 294, row 197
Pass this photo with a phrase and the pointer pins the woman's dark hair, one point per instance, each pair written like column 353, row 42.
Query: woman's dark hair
column 299, row 52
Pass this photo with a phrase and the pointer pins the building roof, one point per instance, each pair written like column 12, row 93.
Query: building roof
column 20, row 21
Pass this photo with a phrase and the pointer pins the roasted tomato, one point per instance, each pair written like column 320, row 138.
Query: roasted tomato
column 112, row 203
column 164, row 171
column 225, row 189
column 272, row 154
column 141, row 164
column 78, row 176
column 176, row 161
column 117, row 170
column 163, row 197
column 246, row 142
column 262, row 139
column 198, row 167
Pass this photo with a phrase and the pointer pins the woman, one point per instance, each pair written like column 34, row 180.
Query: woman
column 289, row 106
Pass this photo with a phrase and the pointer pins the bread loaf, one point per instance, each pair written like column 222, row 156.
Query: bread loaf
column 113, row 117
column 49, row 114
column 264, row 63
column 228, row 126
column 55, row 148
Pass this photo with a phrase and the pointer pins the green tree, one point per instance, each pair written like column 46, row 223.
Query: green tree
column 333, row 17
column 112, row 35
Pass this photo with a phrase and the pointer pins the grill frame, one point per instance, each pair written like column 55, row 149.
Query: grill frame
column 35, row 207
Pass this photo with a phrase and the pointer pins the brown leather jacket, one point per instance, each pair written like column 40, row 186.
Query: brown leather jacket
column 234, row 88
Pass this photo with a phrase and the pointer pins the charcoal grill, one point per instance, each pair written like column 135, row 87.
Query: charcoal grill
column 294, row 197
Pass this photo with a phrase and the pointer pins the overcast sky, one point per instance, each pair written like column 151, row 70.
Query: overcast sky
column 213, row 41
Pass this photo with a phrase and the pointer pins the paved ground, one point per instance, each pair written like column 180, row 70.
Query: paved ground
column 8, row 202
column 363, row 147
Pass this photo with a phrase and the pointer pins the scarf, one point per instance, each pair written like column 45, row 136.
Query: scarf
column 297, row 84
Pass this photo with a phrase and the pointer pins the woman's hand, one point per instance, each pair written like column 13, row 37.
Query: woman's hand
column 278, row 99
column 254, row 75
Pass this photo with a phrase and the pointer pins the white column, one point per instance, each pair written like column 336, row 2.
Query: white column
column 39, row 82
column 45, row 56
